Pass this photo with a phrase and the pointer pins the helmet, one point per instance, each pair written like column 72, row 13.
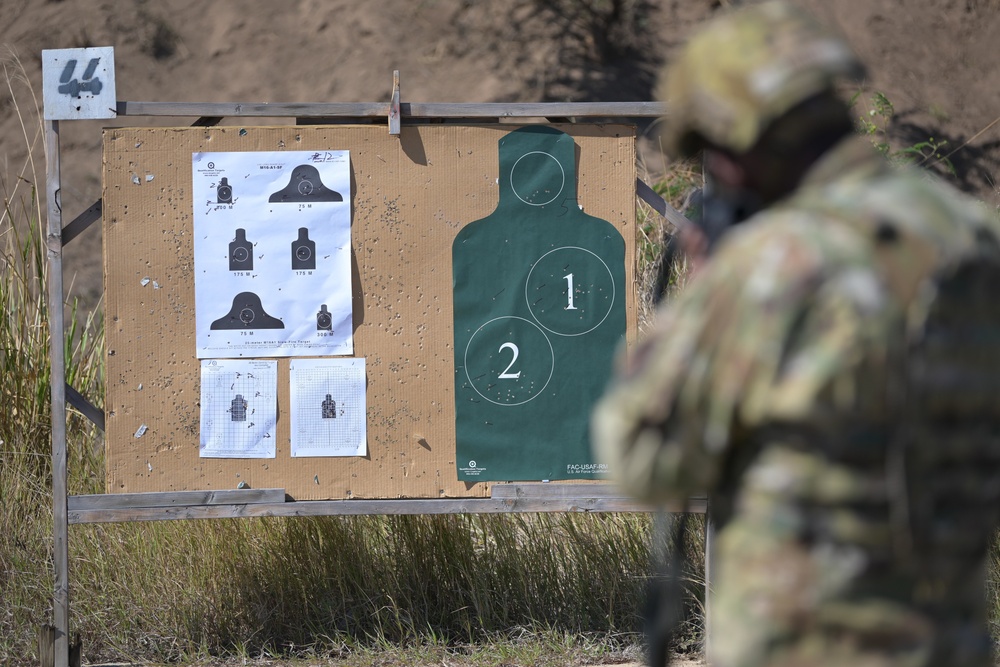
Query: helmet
column 745, row 70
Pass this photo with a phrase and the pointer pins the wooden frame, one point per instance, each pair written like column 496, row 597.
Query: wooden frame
column 531, row 497
column 101, row 508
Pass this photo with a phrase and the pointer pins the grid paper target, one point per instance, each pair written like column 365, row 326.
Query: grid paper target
column 238, row 408
column 328, row 407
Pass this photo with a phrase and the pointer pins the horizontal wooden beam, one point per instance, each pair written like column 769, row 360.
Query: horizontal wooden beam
column 407, row 109
column 540, row 490
column 173, row 499
column 535, row 110
column 368, row 507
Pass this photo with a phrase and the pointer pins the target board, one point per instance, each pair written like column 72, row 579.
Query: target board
column 490, row 282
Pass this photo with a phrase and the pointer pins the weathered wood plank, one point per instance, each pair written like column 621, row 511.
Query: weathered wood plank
column 394, row 110
column 86, row 408
column 367, row 507
column 57, row 358
column 407, row 109
column 660, row 205
column 543, row 490
column 239, row 109
column 47, row 645
column 535, row 110
column 82, row 221
column 115, row 501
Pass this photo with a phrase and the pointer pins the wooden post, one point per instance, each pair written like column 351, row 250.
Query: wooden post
column 57, row 378
column 46, row 645
column 709, row 543
column 394, row 105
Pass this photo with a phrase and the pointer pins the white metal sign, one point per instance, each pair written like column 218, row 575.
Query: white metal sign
column 79, row 83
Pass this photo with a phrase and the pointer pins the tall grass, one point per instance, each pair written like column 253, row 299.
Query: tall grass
column 337, row 583
column 244, row 587
column 661, row 266
column 25, row 383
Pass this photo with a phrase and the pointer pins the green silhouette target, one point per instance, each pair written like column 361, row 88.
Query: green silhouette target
column 539, row 308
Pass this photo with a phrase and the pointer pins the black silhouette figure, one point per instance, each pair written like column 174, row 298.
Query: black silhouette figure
column 241, row 252
column 224, row 193
column 329, row 408
column 324, row 321
column 238, row 409
column 247, row 313
column 303, row 251
column 305, row 186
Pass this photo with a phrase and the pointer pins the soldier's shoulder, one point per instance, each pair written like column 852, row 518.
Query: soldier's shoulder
column 790, row 245
column 918, row 203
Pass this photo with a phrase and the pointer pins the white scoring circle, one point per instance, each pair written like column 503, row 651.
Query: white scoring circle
column 551, row 355
column 562, row 183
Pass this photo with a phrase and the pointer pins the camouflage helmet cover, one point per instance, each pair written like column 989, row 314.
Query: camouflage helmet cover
column 743, row 71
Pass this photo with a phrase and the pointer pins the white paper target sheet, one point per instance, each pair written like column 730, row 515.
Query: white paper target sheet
column 272, row 254
column 328, row 407
column 239, row 408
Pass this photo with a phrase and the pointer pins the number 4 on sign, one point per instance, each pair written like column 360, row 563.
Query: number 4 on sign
column 87, row 83
column 79, row 83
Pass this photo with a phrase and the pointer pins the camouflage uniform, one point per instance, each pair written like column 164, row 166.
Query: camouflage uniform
column 831, row 378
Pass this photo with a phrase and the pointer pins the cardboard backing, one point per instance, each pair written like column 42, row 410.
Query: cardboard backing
column 410, row 195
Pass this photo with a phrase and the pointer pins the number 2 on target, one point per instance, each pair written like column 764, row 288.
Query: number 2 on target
column 507, row 375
